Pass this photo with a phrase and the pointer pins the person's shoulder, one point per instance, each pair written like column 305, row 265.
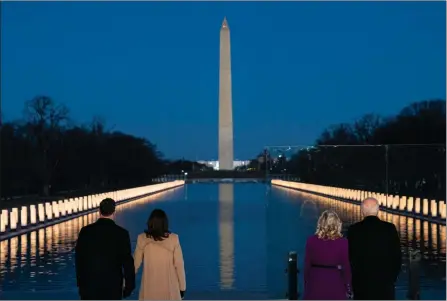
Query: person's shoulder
column 88, row 233
column 142, row 239
column 174, row 236
column 86, row 229
column 174, row 239
column 343, row 241
column 121, row 230
column 354, row 226
column 312, row 239
column 142, row 236
column 387, row 225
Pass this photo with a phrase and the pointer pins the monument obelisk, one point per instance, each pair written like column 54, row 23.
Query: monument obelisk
column 225, row 101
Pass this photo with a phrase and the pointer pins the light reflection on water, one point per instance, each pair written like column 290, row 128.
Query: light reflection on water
column 226, row 235
column 235, row 240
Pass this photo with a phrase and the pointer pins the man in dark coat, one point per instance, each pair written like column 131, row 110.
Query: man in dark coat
column 375, row 255
column 104, row 258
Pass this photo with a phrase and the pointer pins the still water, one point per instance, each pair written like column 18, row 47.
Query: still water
column 235, row 240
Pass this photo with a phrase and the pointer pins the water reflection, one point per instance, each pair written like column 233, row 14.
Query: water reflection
column 23, row 249
column 226, row 235
column 13, row 251
column 40, row 250
column 147, row 199
column 3, row 252
column 230, row 263
column 309, row 207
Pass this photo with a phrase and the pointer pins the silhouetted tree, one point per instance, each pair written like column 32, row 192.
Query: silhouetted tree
column 264, row 160
column 182, row 166
column 402, row 155
column 45, row 122
column 45, row 153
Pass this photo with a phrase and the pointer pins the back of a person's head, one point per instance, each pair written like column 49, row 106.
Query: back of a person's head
column 157, row 225
column 370, row 207
column 107, row 207
column 329, row 226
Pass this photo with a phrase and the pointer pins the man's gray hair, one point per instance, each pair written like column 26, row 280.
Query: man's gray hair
column 370, row 206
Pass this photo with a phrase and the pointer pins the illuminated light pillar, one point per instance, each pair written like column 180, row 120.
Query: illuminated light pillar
column 32, row 214
column 410, row 207
column 14, row 218
column 67, row 205
column 442, row 209
column 56, row 209
column 417, row 206
column 49, row 211
column 80, row 203
column 74, row 206
column 425, row 208
column 41, row 210
column 403, row 203
column 61, row 206
column 434, row 208
column 3, row 220
column 24, row 216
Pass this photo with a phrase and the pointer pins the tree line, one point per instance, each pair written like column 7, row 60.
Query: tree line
column 402, row 154
column 45, row 153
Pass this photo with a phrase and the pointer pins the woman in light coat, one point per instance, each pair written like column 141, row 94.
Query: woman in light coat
column 163, row 268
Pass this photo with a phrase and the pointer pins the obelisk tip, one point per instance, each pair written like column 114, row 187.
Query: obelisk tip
column 225, row 23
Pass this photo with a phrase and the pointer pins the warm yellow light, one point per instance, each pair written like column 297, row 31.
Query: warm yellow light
column 24, row 216
column 43, row 212
column 432, row 208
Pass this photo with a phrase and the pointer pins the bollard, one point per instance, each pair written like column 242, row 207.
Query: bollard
column 292, row 275
column 413, row 275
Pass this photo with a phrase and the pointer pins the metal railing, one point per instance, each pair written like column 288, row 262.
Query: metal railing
column 292, row 276
column 413, row 276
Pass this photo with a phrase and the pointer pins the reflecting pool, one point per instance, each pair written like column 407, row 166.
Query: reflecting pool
column 235, row 240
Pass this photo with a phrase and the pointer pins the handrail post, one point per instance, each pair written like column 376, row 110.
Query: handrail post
column 292, row 275
column 413, row 276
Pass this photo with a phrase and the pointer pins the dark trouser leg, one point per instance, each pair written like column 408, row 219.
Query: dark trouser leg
column 100, row 296
column 376, row 293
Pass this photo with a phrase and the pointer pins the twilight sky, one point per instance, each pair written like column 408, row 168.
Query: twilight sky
column 151, row 68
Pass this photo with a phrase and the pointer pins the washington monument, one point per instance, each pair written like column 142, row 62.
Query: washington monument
column 225, row 101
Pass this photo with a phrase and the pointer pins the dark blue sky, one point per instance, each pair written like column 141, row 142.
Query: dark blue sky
column 151, row 69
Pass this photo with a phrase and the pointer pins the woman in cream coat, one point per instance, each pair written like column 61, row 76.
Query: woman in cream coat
column 163, row 268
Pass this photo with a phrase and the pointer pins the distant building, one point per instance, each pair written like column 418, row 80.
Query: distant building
column 215, row 164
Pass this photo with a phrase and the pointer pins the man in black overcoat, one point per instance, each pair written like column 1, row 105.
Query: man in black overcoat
column 375, row 255
column 104, row 263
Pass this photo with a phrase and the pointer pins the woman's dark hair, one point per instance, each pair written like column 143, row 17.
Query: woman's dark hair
column 157, row 225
